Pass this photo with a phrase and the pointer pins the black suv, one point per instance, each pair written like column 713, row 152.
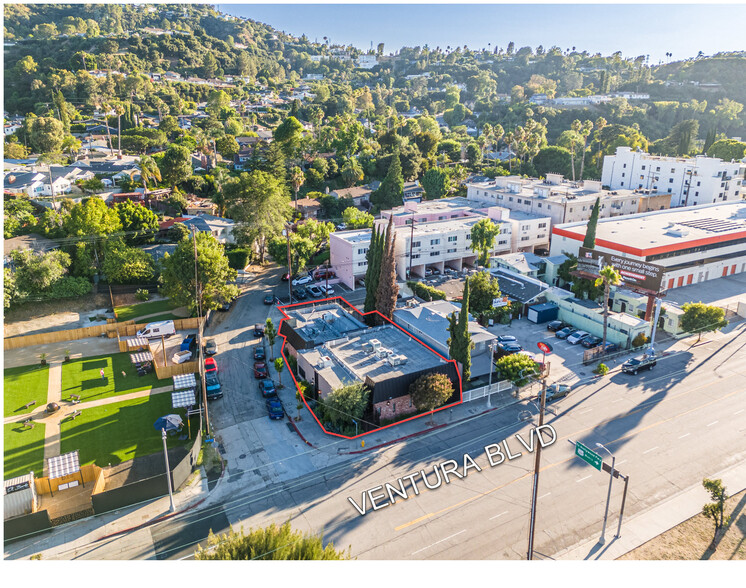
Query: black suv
column 641, row 362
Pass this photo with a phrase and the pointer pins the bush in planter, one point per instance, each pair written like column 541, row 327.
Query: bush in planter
column 43, row 359
column 601, row 369
column 67, row 355
column 640, row 340
column 142, row 294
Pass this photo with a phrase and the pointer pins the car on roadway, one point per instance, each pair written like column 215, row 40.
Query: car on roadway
column 314, row 291
column 591, row 342
column 611, row 348
column 506, row 338
column 267, row 388
column 259, row 330
column 210, row 365
column 212, row 386
column 302, row 281
column 211, row 347
column 565, row 333
column 269, row 299
column 181, row 356
column 641, row 362
column 226, row 306
column 556, row 391
column 259, row 353
column 555, row 325
column 274, row 408
column 260, row 370
column 577, row 337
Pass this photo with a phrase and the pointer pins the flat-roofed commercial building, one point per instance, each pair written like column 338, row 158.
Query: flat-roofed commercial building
column 690, row 181
column 694, row 244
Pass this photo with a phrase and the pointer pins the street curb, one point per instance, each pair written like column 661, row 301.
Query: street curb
column 297, row 430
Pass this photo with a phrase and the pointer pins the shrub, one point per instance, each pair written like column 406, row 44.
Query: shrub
column 601, row 369
column 293, row 364
column 142, row 294
column 238, row 258
column 640, row 340
column 427, row 293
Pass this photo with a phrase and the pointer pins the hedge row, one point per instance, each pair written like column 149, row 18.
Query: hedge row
column 427, row 293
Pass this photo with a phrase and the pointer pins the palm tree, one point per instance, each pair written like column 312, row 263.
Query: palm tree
column 149, row 171
column 584, row 132
column 297, row 178
column 608, row 276
column 576, row 127
column 105, row 107
column 509, row 138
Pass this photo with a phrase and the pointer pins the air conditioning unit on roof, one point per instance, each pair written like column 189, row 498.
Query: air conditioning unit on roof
column 376, row 344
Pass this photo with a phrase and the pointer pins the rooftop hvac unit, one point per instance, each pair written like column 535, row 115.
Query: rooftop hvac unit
column 328, row 317
column 382, row 352
column 324, row 362
column 375, row 343
column 397, row 360
column 367, row 347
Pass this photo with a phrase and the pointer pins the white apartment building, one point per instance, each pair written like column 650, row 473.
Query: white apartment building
column 690, row 181
column 561, row 200
column 439, row 238
column 367, row 61
column 694, row 244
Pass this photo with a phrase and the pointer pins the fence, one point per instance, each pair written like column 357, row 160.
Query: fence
column 482, row 392
column 89, row 473
column 25, row 525
column 110, row 330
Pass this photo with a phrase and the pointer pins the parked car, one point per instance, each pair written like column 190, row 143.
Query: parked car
column 259, row 330
column 210, row 365
column 302, row 281
column 565, row 333
column 259, row 353
column 435, row 271
column 341, row 226
column 225, row 306
column 269, row 299
column 314, row 291
column 611, row 348
column 267, row 388
column 189, row 343
column 591, row 342
column 211, row 347
column 428, row 272
column 326, row 290
column 300, row 294
column 506, row 338
column 212, row 386
column 555, row 325
column 641, row 362
column 260, row 370
column 577, row 337
column 508, row 348
column 285, row 277
column 181, row 356
column 324, row 273
column 274, row 408
column 556, row 391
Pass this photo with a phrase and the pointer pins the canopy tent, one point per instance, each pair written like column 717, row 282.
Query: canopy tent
column 184, row 382
column 141, row 357
column 136, row 343
column 182, row 398
column 64, row 465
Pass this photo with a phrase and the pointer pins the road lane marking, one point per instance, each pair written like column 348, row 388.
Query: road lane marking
column 649, row 450
column 441, row 541
column 585, row 411
column 544, row 496
column 684, row 435
column 569, row 459
column 739, row 411
column 501, row 514
column 617, row 400
column 581, row 479
column 713, row 423
column 621, row 462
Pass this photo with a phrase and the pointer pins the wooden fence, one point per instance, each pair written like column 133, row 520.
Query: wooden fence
column 89, row 473
column 110, row 330
column 163, row 372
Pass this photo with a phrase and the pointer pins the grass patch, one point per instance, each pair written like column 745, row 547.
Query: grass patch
column 161, row 317
column 82, row 376
column 691, row 539
column 22, row 385
column 119, row 432
column 133, row 311
column 24, row 450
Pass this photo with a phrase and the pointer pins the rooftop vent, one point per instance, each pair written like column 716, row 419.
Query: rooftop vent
column 376, row 344
column 397, row 360
column 324, row 362
column 382, row 352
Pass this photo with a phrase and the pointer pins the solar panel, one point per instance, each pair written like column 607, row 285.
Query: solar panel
column 184, row 381
column 63, row 465
column 182, row 398
column 713, row 225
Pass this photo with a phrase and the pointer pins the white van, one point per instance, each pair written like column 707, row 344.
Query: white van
column 157, row 330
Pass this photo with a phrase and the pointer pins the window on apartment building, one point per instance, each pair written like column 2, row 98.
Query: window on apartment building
column 643, row 167
column 452, row 238
column 622, row 183
column 442, row 218
column 696, row 193
column 625, row 165
column 622, row 174
column 657, row 169
column 434, row 241
column 670, row 180
column 639, row 185
column 670, row 190
column 415, row 256
column 415, row 243
column 503, row 242
column 423, row 219
column 722, row 184
column 525, row 238
column 539, row 205
column 541, row 236
column 549, row 207
column 468, row 236
column 362, row 263
column 720, row 195
column 451, row 250
column 584, row 208
column 434, row 253
column 699, row 184
column 525, row 227
column 542, row 225
column 519, row 201
column 408, row 221
column 454, row 216
column 673, row 170
column 571, row 210
column 499, row 196
column 362, row 251
column 642, row 177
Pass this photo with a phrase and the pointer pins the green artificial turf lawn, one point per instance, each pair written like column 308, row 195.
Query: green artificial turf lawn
column 133, row 311
column 119, row 432
column 22, row 385
column 24, row 450
column 160, row 317
column 82, row 376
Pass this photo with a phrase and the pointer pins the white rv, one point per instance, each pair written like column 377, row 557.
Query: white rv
column 157, row 330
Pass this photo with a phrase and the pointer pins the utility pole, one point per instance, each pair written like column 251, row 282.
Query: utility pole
column 290, row 271
column 201, row 332
column 492, row 365
column 411, row 240
column 168, row 470
column 537, row 466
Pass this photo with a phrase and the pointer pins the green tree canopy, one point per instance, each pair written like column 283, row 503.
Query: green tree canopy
column 45, row 134
column 589, row 240
column 391, row 191
column 176, row 165
column 727, row 149
column 38, row 271
column 702, row 318
column 554, row 160
column 517, row 367
column 347, row 403
column 127, row 265
column 288, row 135
column 213, row 271
column 436, row 183
column 357, row 219
column 430, row 391
column 483, row 289
column 483, row 235
column 139, row 223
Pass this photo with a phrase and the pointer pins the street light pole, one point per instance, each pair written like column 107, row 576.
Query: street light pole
column 537, row 465
column 168, row 470
column 492, row 364
column 602, row 540
column 290, row 271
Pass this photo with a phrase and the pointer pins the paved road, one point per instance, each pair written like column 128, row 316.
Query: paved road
column 669, row 428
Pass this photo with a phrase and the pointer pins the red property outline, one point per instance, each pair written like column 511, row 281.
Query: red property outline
column 363, row 314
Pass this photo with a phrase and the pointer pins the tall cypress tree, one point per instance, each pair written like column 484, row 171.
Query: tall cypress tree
column 391, row 190
column 464, row 336
column 387, row 286
column 589, row 241
column 373, row 272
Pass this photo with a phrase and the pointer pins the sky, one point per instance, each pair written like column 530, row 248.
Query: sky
column 633, row 29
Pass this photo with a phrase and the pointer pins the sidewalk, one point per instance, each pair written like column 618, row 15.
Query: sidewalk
column 650, row 523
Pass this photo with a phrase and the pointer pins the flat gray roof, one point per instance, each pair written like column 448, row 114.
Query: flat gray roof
column 323, row 322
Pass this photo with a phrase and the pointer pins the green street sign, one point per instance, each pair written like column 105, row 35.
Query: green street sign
column 588, row 455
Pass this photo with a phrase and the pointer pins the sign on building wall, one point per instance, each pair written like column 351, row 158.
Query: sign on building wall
column 635, row 272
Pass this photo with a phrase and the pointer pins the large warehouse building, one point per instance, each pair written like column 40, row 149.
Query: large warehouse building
column 693, row 244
